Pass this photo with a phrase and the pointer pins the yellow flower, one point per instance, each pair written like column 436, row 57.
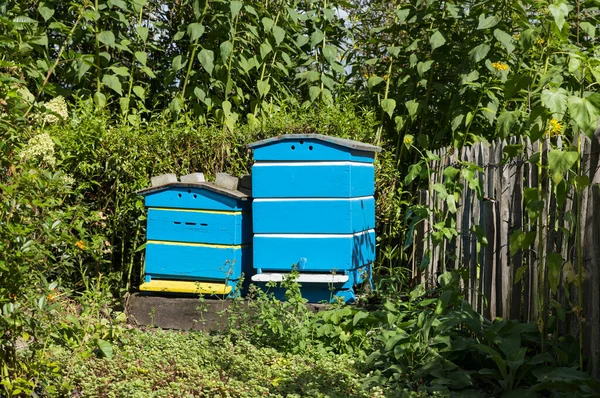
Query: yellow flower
column 500, row 66
column 517, row 36
column 554, row 128
column 408, row 140
column 540, row 41
column 80, row 245
column 276, row 381
column 12, row 296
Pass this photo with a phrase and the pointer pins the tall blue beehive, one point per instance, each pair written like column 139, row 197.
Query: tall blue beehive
column 313, row 209
column 198, row 238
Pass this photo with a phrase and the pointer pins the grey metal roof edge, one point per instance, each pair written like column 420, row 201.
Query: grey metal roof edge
column 345, row 142
column 201, row 185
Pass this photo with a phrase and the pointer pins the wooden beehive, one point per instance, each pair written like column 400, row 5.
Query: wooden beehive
column 198, row 238
column 313, row 209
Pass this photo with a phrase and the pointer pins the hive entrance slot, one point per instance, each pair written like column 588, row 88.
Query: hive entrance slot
column 176, row 222
column 204, row 225
column 190, row 223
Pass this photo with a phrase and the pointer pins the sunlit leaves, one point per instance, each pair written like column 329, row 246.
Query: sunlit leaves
column 437, row 40
column 206, row 58
column 585, row 111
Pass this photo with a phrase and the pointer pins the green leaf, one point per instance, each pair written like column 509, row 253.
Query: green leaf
column 107, row 37
column 178, row 36
column 278, row 34
column 142, row 32
column 41, row 40
column 423, row 67
column 520, row 240
column 301, row 40
column 520, row 273
column 45, row 11
column 436, row 40
column 489, row 22
column 480, row 52
column 330, row 54
column 177, row 63
column 226, row 48
column 206, row 58
column 560, row 162
column 327, row 81
column 402, row 14
column 414, row 170
column 506, row 121
column 267, row 24
column 585, row 111
column 314, row 92
column 512, row 150
column 119, row 70
column 113, row 82
column 505, row 39
column 142, row 57
column 589, row 29
column 413, row 107
column 394, row 51
column 263, row 87
column 235, row 7
column 316, row 37
column 574, row 63
column 373, row 81
column 265, row 49
column 100, row 99
column 195, row 30
column 139, row 91
column 105, row 348
column 559, row 12
column 554, row 262
column 388, row 106
column 555, row 100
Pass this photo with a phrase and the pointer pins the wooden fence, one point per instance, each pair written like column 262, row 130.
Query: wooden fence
column 490, row 270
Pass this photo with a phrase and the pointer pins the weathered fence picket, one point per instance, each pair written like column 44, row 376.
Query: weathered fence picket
column 499, row 283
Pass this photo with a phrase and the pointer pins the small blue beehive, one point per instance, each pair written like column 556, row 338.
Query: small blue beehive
column 198, row 235
column 313, row 209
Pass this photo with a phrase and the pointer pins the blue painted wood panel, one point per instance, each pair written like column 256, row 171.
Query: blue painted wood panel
column 313, row 252
column 312, row 180
column 196, row 262
column 309, row 150
column 199, row 226
column 313, row 216
column 194, row 198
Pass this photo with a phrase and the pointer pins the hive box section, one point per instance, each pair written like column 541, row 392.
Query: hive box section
column 313, row 210
column 198, row 233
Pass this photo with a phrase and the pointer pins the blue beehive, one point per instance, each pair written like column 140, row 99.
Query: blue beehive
column 198, row 237
column 313, row 208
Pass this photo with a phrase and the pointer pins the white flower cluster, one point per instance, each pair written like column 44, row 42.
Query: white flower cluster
column 57, row 107
column 40, row 147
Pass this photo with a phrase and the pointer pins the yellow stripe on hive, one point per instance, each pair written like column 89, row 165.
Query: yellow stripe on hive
column 225, row 212
column 167, row 242
column 185, row 287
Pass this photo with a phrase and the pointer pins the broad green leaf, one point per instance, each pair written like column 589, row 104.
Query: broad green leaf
column 301, row 40
column 314, row 92
column 235, row 7
column 195, row 30
column 139, row 91
column 41, row 40
column 451, row 202
column 265, row 49
column 402, row 14
column 83, row 65
column 436, row 40
column 373, row 81
column 520, row 273
column 142, row 32
column 177, row 63
column 394, row 51
column 399, row 121
column 388, row 106
column 560, row 162
column 45, row 11
column 589, row 29
column 226, row 105
column 457, row 121
column 119, row 70
column 506, row 121
column 489, row 22
column 330, row 54
column 206, row 58
column 505, row 39
column 559, row 11
column 267, row 24
column 263, row 87
column 178, row 36
column 554, row 262
column 585, row 111
column 414, row 170
column 105, row 348
column 555, row 100
column 142, row 57
column 327, row 81
column 480, row 52
column 225, row 48
column 100, row 99
column 423, row 67
column 107, row 37
column 316, row 37
column 512, row 150
column 413, row 107
column 113, row 82
column 278, row 34
column 520, row 240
